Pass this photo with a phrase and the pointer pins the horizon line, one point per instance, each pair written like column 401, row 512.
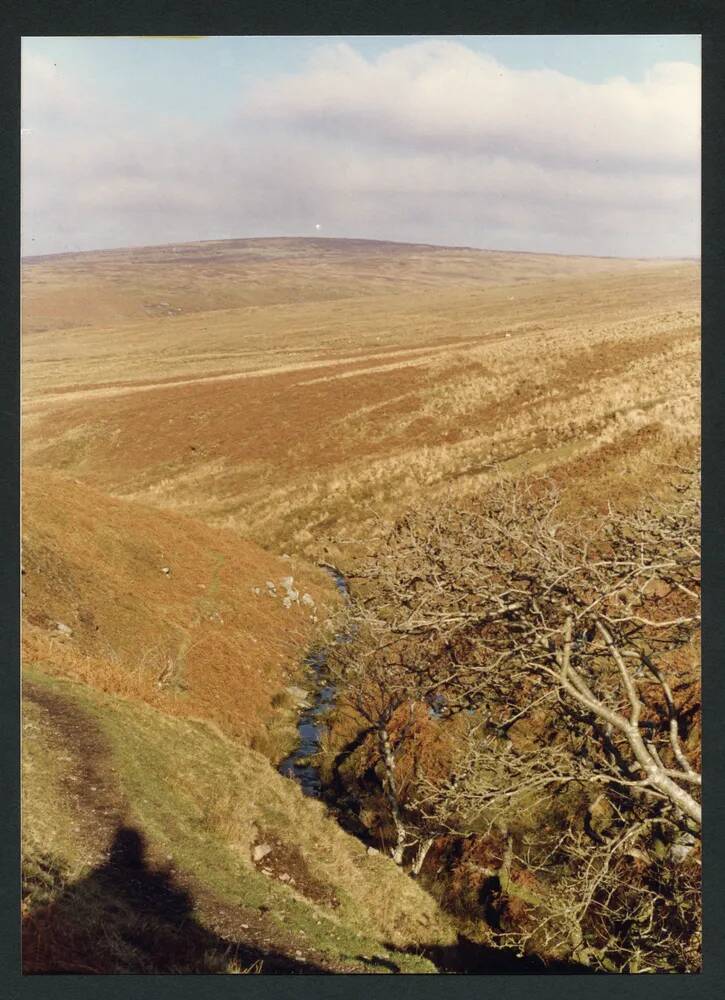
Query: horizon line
column 355, row 239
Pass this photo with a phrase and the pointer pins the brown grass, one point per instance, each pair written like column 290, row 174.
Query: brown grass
column 197, row 642
column 297, row 423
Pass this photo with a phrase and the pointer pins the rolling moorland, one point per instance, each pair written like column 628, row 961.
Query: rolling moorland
column 202, row 423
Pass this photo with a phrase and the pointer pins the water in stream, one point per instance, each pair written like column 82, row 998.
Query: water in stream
column 310, row 724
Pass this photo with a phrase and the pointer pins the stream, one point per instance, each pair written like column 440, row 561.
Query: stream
column 310, row 725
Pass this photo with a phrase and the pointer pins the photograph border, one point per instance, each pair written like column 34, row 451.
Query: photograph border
column 146, row 17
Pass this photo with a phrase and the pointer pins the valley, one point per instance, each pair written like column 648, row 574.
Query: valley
column 205, row 427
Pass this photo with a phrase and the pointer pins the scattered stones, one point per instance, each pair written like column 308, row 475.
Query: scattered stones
column 287, row 583
column 260, row 851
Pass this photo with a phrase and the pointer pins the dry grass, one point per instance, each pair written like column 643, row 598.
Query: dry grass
column 204, row 640
column 328, row 411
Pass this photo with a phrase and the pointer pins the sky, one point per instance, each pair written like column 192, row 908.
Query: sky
column 562, row 144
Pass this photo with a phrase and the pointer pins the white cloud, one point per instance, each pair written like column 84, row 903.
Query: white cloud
column 430, row 142
column 435, row 93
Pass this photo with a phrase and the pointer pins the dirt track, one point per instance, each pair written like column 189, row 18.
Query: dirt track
column 97, row 800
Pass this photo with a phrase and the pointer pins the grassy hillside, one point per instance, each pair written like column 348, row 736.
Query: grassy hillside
column 145, row 825
column 162, row 609
column 297, row 424
column 113, row 286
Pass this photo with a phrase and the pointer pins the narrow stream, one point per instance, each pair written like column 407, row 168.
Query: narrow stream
column 310, row 724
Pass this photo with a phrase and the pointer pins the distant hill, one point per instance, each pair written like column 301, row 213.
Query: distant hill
column 111, row 286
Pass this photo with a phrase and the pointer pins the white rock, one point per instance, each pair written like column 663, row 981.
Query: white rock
column 64, row 629
column 373, row 850
column 260, row 851
column 286, row 602
column 309, row 601
column 287, row 582
column 166, row 570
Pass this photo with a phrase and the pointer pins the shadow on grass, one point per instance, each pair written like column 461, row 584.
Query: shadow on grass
column 126, row 917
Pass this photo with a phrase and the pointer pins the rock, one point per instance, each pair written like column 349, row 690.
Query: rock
column 260, row 851
column 683, row 847
column 287, row 582
column 298, row 694
column 256, row 590
column 373, row 850
column 166, row 570
column 309, row 601
column 271, row 587
column 286, row 602
column 284, row 877
column 64, row 629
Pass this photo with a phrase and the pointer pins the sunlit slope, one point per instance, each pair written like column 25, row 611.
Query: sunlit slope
column 160, row 608
column 300, row 424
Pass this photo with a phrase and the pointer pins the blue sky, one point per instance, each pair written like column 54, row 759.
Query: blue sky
column 204, row 122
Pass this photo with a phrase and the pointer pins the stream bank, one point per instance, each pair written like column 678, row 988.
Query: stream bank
column 310, row 725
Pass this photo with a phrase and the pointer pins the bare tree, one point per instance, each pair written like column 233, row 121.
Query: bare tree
column 570, row 646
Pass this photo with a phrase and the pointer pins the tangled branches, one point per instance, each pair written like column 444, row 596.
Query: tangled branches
column 571, row 650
